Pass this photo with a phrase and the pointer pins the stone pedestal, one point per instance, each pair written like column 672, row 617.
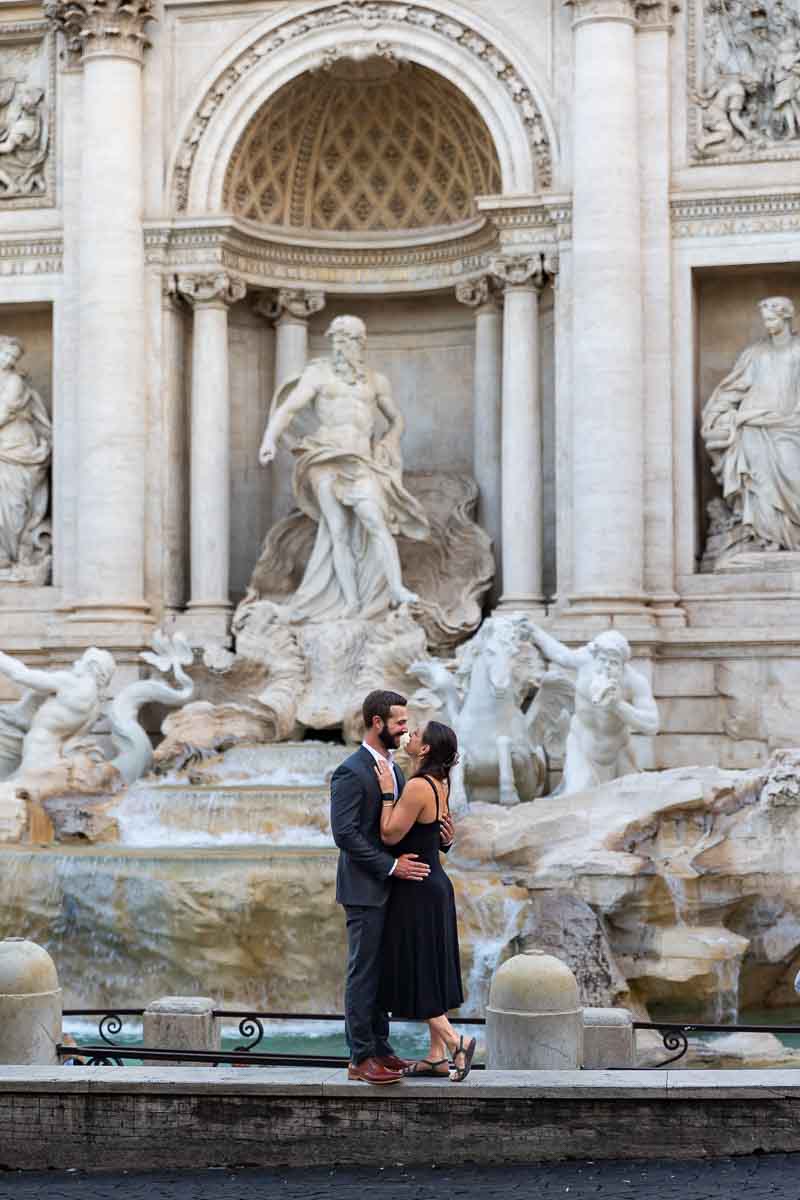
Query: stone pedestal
column 533, row 1019
column 181, row 1023
column 30, row 1004
column 209, row 606
column 608, row 1039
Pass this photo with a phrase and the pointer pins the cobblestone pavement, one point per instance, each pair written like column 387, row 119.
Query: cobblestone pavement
column 753, row 1178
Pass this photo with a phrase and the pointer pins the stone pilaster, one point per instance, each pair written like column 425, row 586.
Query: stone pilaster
column 485, row 299
column 210, row 296
column 608, row 445
column 522, row 276
column 109, row 38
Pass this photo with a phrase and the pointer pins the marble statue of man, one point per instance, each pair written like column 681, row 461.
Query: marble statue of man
column 751, row 428
column 348, row 479
column 612, row 701
column 73, row 702
column 25, row 446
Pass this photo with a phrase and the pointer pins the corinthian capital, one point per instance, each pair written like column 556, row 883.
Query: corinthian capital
column 477, row 293
column 109, row 27
column 293, row 303
column 217, row 288
column 525, row 270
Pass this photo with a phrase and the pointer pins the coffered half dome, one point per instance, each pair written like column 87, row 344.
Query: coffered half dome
column 363, row 147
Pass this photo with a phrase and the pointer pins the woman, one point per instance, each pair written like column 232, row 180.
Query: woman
column 420, row 972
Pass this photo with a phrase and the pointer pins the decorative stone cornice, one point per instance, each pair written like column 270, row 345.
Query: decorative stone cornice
column 724, row 215
column 31, row 255
column 369, row 16
column 419, row 262
column 115, row 28
column 656, row 14
column 525, row 270
column 215, row 290
column 478, row 293
column 293, row 304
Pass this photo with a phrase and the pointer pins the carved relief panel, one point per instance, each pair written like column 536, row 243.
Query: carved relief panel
column 744, row 80
column 27, row 137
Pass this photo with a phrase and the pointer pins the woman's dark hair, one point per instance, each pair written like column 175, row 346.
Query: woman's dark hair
column 443, row 753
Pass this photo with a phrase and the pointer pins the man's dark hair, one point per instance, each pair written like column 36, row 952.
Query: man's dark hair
column 380, row 704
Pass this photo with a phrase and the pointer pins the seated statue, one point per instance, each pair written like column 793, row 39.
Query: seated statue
column 751, row 429
column 348, row 480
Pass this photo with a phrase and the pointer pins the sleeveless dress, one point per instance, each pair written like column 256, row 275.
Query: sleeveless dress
column 420, row 966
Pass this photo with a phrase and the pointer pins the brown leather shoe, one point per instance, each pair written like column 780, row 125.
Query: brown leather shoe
column 393, row 1062
column 372, row 1070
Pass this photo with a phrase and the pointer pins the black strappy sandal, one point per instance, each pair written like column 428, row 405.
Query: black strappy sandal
column 411, row 1071
column 459, row 1074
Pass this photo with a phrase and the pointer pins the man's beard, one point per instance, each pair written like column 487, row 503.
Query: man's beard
column 389, row 741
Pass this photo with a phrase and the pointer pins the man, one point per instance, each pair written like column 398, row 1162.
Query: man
column 349, row 481
column 363, row 880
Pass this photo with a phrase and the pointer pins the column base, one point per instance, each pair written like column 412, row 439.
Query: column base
column 205, row 623
column 522, row 602
column 629, row 613
column 100, row 623
column 667, row 610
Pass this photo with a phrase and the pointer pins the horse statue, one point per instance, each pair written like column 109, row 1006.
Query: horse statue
column 484, row 698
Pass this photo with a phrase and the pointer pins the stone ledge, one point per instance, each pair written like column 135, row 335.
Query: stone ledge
column 142, row 1118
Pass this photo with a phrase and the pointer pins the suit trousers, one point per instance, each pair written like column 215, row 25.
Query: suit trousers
column 366, row 1025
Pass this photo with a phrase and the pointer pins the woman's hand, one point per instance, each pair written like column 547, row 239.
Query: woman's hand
column 385, row 775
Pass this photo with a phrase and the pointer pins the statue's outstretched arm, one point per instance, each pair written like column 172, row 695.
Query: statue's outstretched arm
column 555, row 651
column 39, row 681
column 387, row 405
column 641, row 716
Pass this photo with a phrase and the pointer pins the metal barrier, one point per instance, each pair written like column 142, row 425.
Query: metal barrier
column 674, row 1035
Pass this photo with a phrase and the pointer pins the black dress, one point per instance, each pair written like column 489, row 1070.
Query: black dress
column 420, row 966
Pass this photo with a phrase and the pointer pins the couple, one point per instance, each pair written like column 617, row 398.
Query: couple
column 402, row 939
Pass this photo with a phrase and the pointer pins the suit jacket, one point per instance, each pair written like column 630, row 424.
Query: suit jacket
column 362, row 876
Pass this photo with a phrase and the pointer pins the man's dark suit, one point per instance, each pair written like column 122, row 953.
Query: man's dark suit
column 362, row 886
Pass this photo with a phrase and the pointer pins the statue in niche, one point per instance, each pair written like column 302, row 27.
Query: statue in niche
column 26, row 440
column 349, row 481
column 24, row 138
column 611, row 701
column 751, row 429
column 749, row 94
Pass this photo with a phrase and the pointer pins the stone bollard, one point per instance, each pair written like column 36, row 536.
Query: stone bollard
column 181, row 1023
column 30, row 1004
column 607, row 1038
column 534, row 1021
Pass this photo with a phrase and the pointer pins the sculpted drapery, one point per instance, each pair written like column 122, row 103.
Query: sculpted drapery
column 25, row 447
column 751, row 428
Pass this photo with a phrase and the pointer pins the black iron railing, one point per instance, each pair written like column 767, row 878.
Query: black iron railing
column 251, row 1029
column 674, row 1036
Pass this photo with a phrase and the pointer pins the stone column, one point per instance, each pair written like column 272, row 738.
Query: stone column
column 523, row 277
column 481, row 295
column 608, row 447
column 653, row 63
column 109, row 39
column 290, row 311
column 210, row 452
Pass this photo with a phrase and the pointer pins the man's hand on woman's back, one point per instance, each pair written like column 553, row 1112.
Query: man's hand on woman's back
column 409, row 867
